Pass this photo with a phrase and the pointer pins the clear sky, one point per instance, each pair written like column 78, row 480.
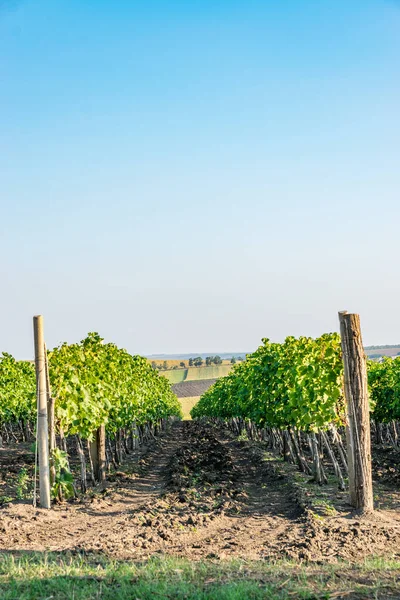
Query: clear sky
column 193, row 176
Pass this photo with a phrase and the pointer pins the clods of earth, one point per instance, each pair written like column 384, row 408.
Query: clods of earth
column 201, row 493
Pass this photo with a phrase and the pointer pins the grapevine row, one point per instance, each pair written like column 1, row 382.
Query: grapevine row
column 94, row 385
column 291, row 395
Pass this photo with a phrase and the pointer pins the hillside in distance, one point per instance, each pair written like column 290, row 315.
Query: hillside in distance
column 203, row 355
column 382, row 350
column 388, row 350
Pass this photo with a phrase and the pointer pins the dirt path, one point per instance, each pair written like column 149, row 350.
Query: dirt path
column 201, row 493
column 92, row 524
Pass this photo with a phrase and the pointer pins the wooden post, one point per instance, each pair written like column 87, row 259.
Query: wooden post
column 50, row 420
column 358, row 424
column 94, row 457
column 42, row 427
column 98, row 454
column 101, row 453
column 81, row 454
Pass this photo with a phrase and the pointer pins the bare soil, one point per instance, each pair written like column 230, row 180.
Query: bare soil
column 198, row 492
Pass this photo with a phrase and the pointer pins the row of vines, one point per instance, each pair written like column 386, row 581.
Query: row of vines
column 94, row 386
column 291, row 396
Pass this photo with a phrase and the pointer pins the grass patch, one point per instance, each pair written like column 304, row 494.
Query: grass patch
column 176, row 376
column 212, row 372
column 196, row 373
column 28, row 576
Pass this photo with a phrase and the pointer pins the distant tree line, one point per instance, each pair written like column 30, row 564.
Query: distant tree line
column 165, row 367
column 197, row 361
column 236, row 359
column 213, row 360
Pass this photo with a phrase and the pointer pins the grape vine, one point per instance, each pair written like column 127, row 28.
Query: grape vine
column 293, row 394
column 294, row 384
column 100, row 384
column 17, row 391
column 95, row 386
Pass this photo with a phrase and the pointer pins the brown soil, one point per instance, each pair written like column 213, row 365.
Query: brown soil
column 385, row 463
column 200, row 493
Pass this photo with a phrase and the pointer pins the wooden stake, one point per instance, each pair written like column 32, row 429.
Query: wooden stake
column 358, row 426
column 42, row 428
column 50, row 420
column 81, row 454
column 101, row 453
column 97, row 450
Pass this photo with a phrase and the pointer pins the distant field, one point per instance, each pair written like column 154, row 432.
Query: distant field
column 187, row 405
column 196, row 373
column 171, row 363
column 175, row 376
column 188, row 389
column 176, row 362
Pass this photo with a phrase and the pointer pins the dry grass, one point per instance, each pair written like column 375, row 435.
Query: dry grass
column 187, row 405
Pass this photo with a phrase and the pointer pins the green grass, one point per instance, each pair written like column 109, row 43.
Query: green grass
column 29, row 576
column 175, row 376
column 213, row 372
column 196, row 373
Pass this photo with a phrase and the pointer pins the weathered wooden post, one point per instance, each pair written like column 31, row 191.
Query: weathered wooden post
column 358, row 423
column 98, row 454
column 42, row 427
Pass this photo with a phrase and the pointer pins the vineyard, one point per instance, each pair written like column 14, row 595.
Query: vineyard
column 261, row 473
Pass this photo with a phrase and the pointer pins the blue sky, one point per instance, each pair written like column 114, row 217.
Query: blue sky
column 193, row 176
